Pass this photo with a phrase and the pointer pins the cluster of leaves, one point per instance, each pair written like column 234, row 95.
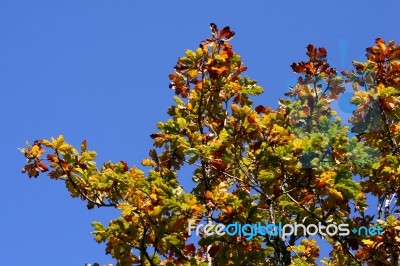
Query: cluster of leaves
column 376, row 85
column 250, row 164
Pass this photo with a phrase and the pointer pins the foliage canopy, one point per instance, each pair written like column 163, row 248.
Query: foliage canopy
column 295, row 164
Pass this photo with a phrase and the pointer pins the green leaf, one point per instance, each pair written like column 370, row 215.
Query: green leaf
column 173, row 239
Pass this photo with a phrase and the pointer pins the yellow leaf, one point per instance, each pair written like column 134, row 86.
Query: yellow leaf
column 148, row 162
column 65, row 147
column 157, row 210
column 37, row 151
column 335, row 193
column 368, row 242
column 297, row 143
column 58, row 142
column 154, row 197
column 47, row 143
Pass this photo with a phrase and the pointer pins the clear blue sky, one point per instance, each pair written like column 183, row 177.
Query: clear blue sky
column 98, row 70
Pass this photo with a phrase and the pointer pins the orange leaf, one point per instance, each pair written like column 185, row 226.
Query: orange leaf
column 308, row 197
column 209, row 195
column 64, row 165
column 251, row 119
column 219, row 70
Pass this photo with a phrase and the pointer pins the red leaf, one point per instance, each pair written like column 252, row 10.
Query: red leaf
column 308, row 197
column 226, row 34
column 42, row 167
column 64, row 165
column 251, row 119
column 259, row 109
column 126, row 168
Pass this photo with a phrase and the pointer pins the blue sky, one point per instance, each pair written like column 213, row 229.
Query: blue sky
column 98, row 70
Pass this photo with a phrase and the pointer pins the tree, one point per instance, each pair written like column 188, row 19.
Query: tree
column 296, row 165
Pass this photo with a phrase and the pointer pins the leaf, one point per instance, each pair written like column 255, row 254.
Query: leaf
column 218, row 164
column 47, row 143
column 42, row 167
column 226, row 34
column 214, row 30
column 64, row 165
column 367, row 242
column 55, row 174
column 83, row 146
column 173, row 239
column 148, row 162
column 267, row 177
column 252, row 119
column 58, row 142
column 219, row 70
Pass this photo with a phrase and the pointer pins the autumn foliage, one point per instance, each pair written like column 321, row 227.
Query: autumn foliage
column 295, row 164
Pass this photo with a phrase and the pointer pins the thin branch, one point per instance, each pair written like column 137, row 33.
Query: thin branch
column 98, row 202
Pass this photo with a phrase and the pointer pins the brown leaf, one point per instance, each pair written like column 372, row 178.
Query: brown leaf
column 214, row 249
column 31, row 169
column 214, row 30
column 217, row 163
column 56, row 174
column 52, row 158
column 307, row 110
column 321, row 184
